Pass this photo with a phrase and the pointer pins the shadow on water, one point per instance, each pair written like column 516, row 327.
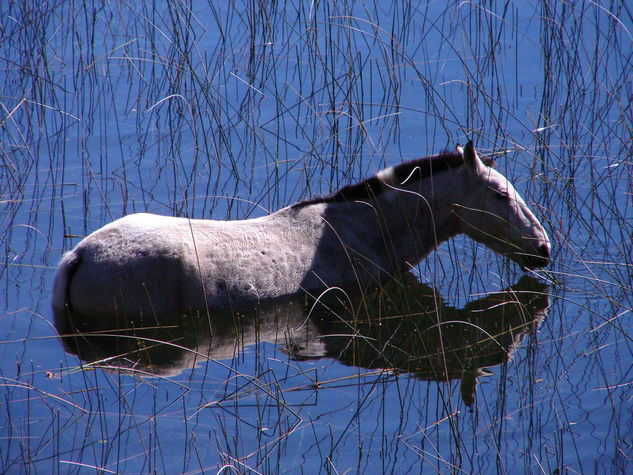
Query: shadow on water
column 403, row 326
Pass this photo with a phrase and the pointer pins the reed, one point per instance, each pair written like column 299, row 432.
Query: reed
column 235, row 109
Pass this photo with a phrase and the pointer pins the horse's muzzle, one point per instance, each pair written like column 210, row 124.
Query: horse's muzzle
column 539, row 259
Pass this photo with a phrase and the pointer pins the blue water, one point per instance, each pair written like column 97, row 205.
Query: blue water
column 223, row 112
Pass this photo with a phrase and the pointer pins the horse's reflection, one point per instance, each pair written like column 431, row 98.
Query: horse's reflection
column 403, row 326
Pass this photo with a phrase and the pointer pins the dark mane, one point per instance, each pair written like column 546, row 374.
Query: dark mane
column 412, row 171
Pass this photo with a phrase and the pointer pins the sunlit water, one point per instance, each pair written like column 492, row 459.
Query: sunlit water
column 230, row 113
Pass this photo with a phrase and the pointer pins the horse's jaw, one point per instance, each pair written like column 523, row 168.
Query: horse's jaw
column 528, row 256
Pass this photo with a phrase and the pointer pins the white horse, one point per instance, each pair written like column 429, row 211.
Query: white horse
column 145, row 264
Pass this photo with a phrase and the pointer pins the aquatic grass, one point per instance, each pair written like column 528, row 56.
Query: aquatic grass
column 227, row 111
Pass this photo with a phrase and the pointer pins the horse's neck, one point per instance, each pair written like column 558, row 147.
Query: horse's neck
column 398, row 228
column 419, row 218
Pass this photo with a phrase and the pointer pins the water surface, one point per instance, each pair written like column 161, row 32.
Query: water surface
column 229, row 112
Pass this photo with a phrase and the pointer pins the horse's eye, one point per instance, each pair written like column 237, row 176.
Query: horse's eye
column 501, row 195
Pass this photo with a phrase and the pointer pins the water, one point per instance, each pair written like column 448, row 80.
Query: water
column 231, row 111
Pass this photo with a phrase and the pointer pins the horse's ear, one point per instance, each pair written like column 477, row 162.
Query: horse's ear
column 472, row 159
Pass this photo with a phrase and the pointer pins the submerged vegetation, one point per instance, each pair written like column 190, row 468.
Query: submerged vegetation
column 229, row 110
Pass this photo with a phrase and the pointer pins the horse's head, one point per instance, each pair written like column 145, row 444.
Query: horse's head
column 493, row 213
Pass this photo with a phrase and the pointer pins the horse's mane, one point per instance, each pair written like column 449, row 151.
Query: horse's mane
column 410, row 171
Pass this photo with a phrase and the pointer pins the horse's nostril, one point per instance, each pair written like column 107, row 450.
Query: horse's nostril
column 543, row 251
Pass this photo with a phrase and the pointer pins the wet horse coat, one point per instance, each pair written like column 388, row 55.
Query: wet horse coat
column 149, row 264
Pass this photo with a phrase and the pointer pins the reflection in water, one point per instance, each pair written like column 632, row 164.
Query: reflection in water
column 403, row 326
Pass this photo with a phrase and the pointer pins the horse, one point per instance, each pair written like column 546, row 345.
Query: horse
column 145, row 264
